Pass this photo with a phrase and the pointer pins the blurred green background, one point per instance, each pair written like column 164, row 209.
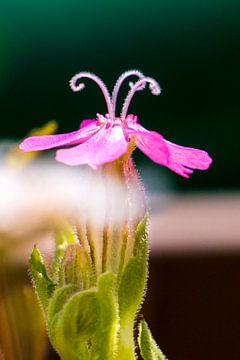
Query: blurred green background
column 190, row 47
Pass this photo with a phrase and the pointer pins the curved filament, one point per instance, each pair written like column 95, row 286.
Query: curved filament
column 119, row 82
column 153, row 86
column 98, row 81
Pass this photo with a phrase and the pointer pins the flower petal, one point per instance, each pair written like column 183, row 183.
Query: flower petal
column 150, row 143
column 178, row 158
column 105, row 146
column 182, row 159
column 37, row 143
column 87, row 122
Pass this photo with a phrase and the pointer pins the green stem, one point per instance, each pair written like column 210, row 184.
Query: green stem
column 126, row 346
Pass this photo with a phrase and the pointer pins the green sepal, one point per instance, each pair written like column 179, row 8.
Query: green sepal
column 43, row 284
column 131, row 291
column 133, row 280
column 76, row 268
column 106, row 332
column 148, row 347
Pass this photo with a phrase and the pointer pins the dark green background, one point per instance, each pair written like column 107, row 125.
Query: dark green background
column 190, row 47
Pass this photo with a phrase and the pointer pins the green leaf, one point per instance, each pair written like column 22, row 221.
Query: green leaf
column 148, row 347
column 84, row 324
column 58, row 300
column 43, row 284
column 131, row 291
column 106, row 332
column 71, row 329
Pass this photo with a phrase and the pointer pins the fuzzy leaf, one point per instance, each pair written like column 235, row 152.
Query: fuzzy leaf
column 74, row 323
column 148, row 347
column 84, row 324
column 57, row 302
column 106, row 332
column 43, row 284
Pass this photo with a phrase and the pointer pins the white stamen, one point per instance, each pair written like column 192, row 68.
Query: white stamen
column 101, row 118
column 100, row 83
column 119, row 82
column 153, row 86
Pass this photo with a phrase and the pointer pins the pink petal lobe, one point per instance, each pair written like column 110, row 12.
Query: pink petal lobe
column 105, row 146
column 150, row 143
column 182, row 159
column 37, row 143
column 178, row 158
column 87, row 122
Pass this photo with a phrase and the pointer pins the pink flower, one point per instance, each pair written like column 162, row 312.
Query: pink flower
column 106, row 138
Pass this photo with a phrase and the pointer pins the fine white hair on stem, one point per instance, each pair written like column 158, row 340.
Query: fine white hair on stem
column 119, row 82
column 153, row 86
column 98, row 81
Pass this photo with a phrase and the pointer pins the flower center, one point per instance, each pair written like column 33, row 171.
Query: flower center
column 108, row 120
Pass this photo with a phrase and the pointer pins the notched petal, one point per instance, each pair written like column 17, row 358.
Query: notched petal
column 37, row 143
column 180, row 159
